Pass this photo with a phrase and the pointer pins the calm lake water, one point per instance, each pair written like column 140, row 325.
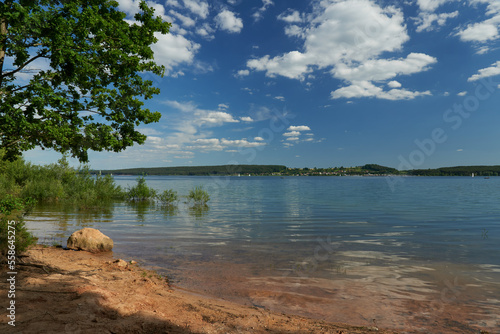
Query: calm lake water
column 411, row 253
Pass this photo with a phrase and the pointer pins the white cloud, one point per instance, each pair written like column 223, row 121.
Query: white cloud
column 216, row 144
column 259, row 14
column 290, row 16
column 293, row 138
column 383, row 69
column 486, row 72
column 431, row 5
column 258, row 139
column 337, row 33
column 462, row 93
column 201, row 117
column 426, row 20
column 199, row 8
column 299, row 128
column 186, row 21
column 292, row 134
column 349, row 37
column 190, row 131
column 394, row 84
column 479, row 32
column 294, row 31
column 173, row 50
column 227, row 20
column 214, row 117
column 280, row 98
column 242, row 73
column 367, row 89
column 487, row 30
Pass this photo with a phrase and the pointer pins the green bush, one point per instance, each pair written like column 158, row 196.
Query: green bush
column 57, row 183
column 14, row 236
column 141, row 192
column 199, row 196
column 168, row 197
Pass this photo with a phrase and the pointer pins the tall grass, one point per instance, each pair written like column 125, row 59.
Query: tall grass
column 57, row 183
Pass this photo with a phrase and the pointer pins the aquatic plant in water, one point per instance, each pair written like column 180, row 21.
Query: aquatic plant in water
column 199, row 196
column 141, row 191
column 168, row 197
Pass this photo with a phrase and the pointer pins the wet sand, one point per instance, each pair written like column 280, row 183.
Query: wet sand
column 59, row 291
column 81, row 292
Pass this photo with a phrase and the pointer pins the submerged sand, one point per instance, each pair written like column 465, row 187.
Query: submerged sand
column 80, row 292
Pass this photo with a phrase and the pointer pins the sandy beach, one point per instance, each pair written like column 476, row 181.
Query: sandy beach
column 64, row 291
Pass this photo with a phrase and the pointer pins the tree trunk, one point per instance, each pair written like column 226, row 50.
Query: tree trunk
column 3, row 40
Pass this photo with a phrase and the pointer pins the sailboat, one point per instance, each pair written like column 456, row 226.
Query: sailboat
column 472, row 174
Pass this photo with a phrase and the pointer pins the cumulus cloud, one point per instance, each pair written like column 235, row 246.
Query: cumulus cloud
column 431, row 5
column 349, row 37
column 383, row 69
column 394, row 84
column 486, row 30
column 228, row 21
column 242, row 73
column 173, row 50
column 199, row 8
column 480, row 32
column 486, row 72
column 367, row 89
column 295, row 135
column 299, row 128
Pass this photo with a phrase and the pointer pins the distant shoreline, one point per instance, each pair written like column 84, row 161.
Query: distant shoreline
column 281, row 170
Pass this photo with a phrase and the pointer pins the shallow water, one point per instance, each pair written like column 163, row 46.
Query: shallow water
column 390, row 252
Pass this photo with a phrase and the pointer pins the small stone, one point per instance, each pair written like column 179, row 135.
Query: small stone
column 133, row 262
column 121, row 263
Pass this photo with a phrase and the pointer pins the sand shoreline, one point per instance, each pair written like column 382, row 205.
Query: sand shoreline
column 81, row 292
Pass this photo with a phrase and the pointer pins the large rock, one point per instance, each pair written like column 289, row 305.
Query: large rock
column 91, row 240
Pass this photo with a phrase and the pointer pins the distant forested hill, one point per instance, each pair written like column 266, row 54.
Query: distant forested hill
column 458, row 171
column 201, row 170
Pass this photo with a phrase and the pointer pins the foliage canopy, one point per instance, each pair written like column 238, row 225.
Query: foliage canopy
column 90, row 94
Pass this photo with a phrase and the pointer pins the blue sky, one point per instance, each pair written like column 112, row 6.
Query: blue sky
column 407, row 84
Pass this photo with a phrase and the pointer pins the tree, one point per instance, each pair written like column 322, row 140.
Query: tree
column 91, row 93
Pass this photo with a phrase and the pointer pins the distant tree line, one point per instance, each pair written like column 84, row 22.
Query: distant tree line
column 368, row 169
column 457, row 171
column 201, row 170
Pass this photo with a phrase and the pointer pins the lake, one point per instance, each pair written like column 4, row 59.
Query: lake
column 413, row 253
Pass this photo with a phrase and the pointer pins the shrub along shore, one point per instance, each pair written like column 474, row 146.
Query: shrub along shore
column 22, row 185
